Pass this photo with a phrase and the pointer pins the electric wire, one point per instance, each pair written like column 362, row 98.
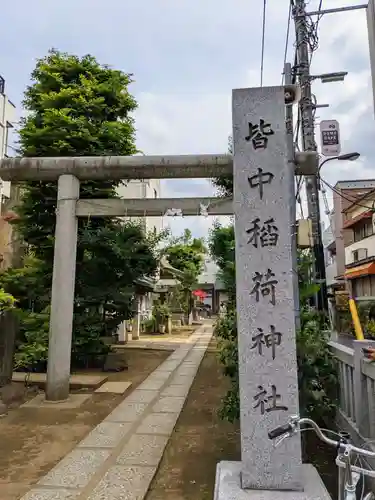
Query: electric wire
column 263, row 44
column 287, row 40
column 354, row 201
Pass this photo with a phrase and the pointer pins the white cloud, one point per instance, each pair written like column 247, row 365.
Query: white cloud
column 187, row 56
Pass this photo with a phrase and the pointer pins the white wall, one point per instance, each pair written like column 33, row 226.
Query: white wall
column 7, row 118
column 331, row 273
column 143, row 189
column 368, row 243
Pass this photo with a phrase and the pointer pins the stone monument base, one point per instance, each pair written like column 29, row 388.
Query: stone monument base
column 228, row 486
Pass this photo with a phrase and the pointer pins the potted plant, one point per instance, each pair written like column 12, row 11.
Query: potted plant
column 161, row 313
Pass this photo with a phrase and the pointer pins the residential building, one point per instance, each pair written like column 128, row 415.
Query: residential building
column 344, row 193
column 143, row 189
column 358, row 224
column 329, row 245
column 210, row 282
column 337, row 236
column 7, row 119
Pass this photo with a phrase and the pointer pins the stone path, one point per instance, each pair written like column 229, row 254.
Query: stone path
column 167, row 344
column 119, row 458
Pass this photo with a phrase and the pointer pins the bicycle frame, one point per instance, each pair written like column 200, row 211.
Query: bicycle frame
column 349, row 474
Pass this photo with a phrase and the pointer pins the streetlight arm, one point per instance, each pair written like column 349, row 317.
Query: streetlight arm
column 344, row 157
column 326, row 160
column 337, row 9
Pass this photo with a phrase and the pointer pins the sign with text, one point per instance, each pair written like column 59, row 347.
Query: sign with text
column 330, row 137
column 263, row 180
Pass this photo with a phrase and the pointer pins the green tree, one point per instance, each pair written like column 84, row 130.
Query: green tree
column 77, row 107
column 186, row 254
column 316, row 368
column 222, row 248
column 224, row 184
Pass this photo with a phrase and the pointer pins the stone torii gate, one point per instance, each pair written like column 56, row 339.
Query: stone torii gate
column 68, row 172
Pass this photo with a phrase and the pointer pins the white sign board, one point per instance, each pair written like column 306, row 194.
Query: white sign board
column 330, row 137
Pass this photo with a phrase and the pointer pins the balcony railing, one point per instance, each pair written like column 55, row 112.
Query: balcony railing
column 356, row 410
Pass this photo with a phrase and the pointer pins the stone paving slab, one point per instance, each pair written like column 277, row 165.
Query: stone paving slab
column 114, row 387
column 124, row 483
column 187, row 370
column 44, row 494
column 158, row 423
column 167, row 366
column 152, row 385
column 169, row 405
column 127, row 412
column 106, row 435
column 158, row 375
column 179, row 391
column 182, row 380
column 76, row 469
column 139, row 396
column 119, row 458
column 146, row 346
column 143, row 450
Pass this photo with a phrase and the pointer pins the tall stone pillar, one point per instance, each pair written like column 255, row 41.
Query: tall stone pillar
column 63, row 281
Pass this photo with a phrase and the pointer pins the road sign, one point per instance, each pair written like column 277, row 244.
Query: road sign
column 330, row 137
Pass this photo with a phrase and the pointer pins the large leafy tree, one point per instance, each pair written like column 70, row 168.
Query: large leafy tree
column 186, row 254
column 77, row 107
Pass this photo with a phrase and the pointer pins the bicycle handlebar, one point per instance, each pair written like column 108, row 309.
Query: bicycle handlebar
column 296, row 422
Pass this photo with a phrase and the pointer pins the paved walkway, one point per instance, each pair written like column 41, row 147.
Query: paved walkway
column 167, row 344
column 119, row 458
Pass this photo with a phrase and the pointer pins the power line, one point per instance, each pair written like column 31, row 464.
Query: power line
column 345, row 197
column 263, row 39
column 287, row 39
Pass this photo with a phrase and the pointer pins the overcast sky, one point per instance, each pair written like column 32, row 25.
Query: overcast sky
column 186, row 57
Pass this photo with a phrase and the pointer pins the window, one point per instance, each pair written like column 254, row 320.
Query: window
column 363, row 287
column 359, row 254
column 363, row 230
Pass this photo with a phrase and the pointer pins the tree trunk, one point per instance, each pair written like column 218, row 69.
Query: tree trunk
column 8, row 335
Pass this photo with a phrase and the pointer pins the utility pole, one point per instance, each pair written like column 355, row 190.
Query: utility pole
column 291, row 155
column 309, row 144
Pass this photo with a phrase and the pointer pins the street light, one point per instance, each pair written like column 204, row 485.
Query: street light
column 344, row 157
column 318, row 247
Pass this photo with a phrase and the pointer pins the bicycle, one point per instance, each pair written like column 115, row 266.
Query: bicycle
column 349, row 474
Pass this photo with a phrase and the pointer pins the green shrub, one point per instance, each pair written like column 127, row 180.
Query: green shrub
column 7, row 301
column 32, row 346
column 316, row 366
column 226, row 331
column 161, row 313
column 317, row 370
column 149, row 325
